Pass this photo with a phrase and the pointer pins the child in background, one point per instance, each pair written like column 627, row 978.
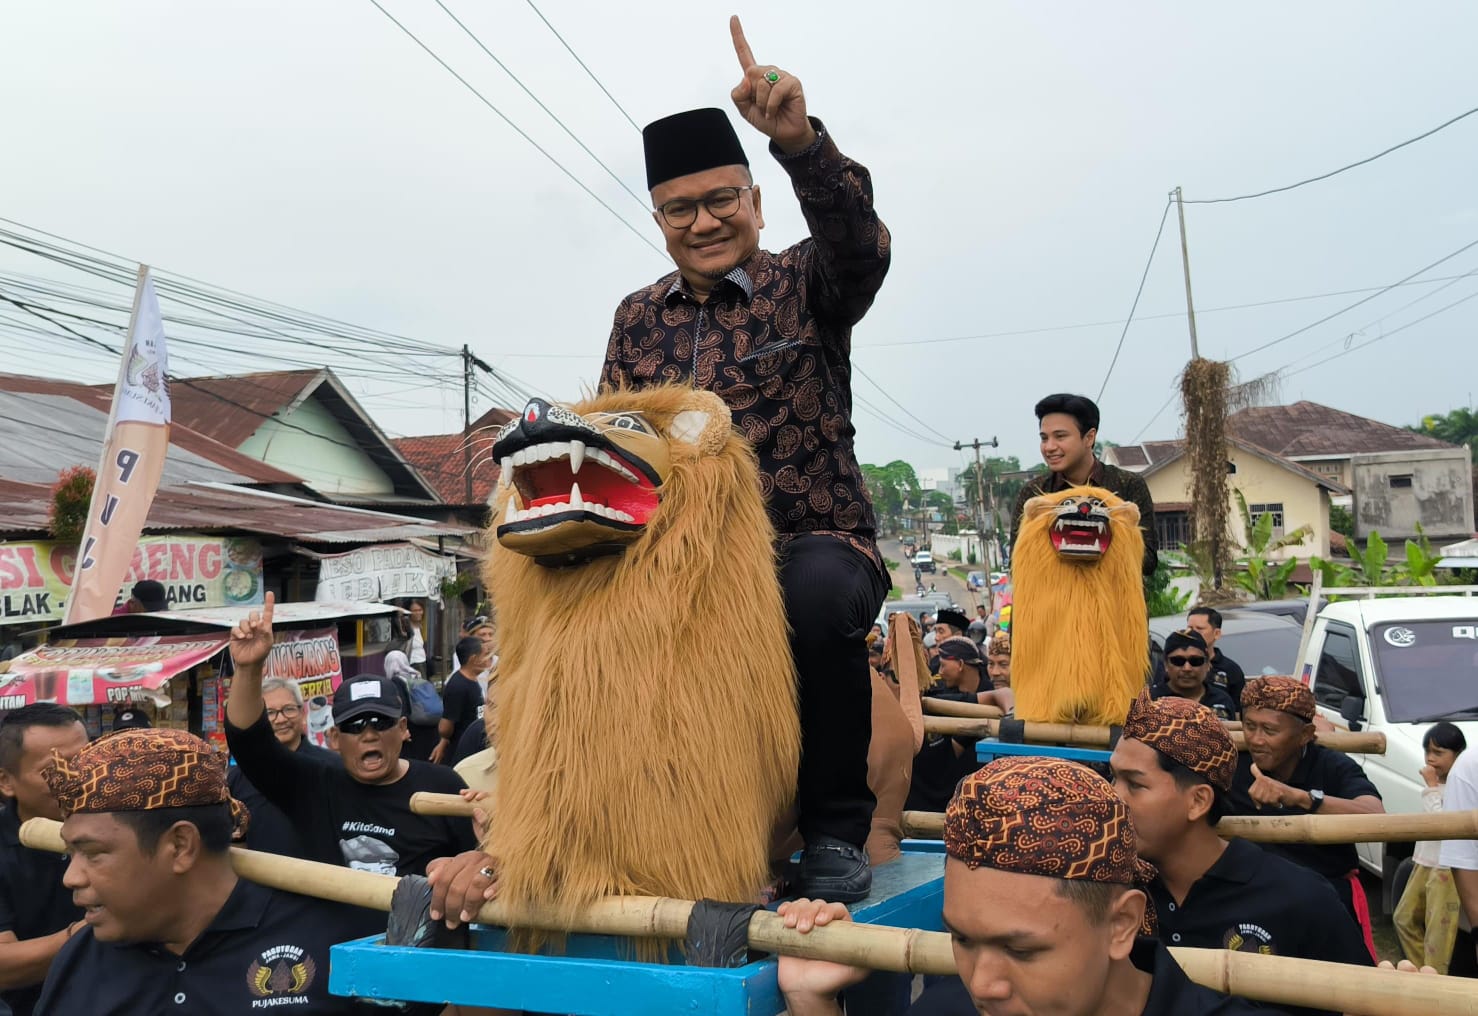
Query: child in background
column 1426, row 919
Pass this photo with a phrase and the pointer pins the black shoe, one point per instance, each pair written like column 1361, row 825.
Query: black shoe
column 836, row 871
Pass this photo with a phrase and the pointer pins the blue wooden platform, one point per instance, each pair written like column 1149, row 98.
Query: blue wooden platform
column 591, row 978
column 989, row 751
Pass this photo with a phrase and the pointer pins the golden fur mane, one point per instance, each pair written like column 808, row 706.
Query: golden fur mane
column 1079, row 632
column 646, row 721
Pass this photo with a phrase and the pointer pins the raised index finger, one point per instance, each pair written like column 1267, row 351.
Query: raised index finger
column 741, row 45
column 268, row 602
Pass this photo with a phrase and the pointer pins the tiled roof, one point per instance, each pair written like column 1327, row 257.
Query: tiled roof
column 1309, row 429
column 441, row 460
column 1162, row 453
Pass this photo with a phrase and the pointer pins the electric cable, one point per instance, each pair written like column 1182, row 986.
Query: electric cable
column 570, row 50
column 1159, row 232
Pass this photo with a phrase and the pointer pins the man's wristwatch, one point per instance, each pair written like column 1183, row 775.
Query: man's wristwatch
column 1316, row 800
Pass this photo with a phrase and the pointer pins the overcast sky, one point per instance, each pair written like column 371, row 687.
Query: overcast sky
column 311, row 154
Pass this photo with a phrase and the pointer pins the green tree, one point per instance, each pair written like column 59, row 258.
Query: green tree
column 891, row 486
column 1161, row 598
column 1341, row 521
column 1459, row 427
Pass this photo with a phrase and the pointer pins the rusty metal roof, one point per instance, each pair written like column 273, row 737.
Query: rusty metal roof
column 232, row 409
column 87, row 424
column 218, row 507
column 1309, row 430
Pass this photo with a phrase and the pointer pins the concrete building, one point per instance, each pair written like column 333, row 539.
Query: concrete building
column 1293, row 495
column 1397, row 477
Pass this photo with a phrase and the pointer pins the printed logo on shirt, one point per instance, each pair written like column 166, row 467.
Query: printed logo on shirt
column 281, row 975
column 1249, row 938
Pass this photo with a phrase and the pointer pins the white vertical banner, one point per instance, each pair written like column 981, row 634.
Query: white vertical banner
column 134, row 448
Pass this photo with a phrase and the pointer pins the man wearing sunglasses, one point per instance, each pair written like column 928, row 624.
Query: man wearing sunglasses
column 770, row 334
column 1187, row 667
column 356, row 814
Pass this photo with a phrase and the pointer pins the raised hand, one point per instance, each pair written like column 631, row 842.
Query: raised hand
column 1266, row 790
column 770, row 99
column 251, row 640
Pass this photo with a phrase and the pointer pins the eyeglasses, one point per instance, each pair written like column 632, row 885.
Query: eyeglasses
column 356, row 726
column 286, row 713
column 680, row 213
column 1185, row 661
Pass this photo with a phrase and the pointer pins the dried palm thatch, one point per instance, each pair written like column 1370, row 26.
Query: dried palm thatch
column 1203, row 389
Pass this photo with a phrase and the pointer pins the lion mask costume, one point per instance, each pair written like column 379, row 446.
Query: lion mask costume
column 645, row 716
column 1079, row 641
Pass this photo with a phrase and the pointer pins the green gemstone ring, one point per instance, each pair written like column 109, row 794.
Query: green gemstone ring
column 772, row 77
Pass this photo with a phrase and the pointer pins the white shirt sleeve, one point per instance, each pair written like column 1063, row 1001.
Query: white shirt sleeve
column 1461, row 795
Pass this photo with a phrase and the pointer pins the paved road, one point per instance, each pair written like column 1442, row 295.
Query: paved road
column 903, row 582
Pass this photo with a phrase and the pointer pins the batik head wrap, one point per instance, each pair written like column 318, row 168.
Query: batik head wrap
column 1286, row 694
column 962, row 648
column 143, row 770
column 1045, row 816
column 1186, row 638
column 999, row 645
column 1185, row 732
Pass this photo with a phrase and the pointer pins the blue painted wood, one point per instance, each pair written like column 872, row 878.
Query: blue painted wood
column 594, row 975
column 988, row 750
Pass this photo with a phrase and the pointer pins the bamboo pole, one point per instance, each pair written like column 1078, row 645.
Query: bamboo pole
column 1276, row 979
column 966, row 720
column 1444, row 825
column 946, row 707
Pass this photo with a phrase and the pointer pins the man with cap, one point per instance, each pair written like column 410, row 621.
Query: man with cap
column 356, row 814
column 169, row 927
column 1284, row 772
column 1187, row 667
column 770, row 334
column 147, row 596
column 1173, row 768
column 1044, row 898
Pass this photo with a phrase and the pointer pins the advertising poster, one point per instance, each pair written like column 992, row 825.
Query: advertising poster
column 82, row 672
column 196, row 571
column 311, row 658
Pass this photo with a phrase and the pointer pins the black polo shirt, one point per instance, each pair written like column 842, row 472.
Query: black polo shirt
column 270, row 829
column 1216, row 699
column 265, row 951
column 1172, row 993
column 366, row 826
column 1252, row 901
column 1320, row 768
column 1227, row 675
column 33, row 901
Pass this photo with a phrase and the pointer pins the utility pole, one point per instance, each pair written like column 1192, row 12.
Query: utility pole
column 980, row 499
column 467, row 420
column 1185, row 260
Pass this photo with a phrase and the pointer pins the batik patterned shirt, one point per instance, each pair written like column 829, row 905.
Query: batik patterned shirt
column 774, row 341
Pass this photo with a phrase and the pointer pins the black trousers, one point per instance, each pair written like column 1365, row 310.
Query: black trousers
column 832, row 596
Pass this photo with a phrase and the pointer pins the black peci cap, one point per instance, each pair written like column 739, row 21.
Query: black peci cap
column 690, row 142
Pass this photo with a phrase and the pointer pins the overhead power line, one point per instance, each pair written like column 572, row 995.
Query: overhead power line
column 520, row 131
column 570, row 50
column 645, row 207
column 1159, row 232
column 900, row 405
column 1357, row 303
column 1384, row 336
column 1336, row 172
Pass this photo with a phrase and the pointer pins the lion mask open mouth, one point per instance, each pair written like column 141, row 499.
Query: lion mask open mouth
column 1080, row 530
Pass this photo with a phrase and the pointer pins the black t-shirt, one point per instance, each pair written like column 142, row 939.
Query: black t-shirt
column 1172, row 993
column 1320, row 768
column 1215, row 698
column 270, row 829
column 937, row 769
column 1228, row 676
column 1253, row 901
column 33, row 901
column 365, row 826
column 265, row 951
column 473, row 740
column 461, row 703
